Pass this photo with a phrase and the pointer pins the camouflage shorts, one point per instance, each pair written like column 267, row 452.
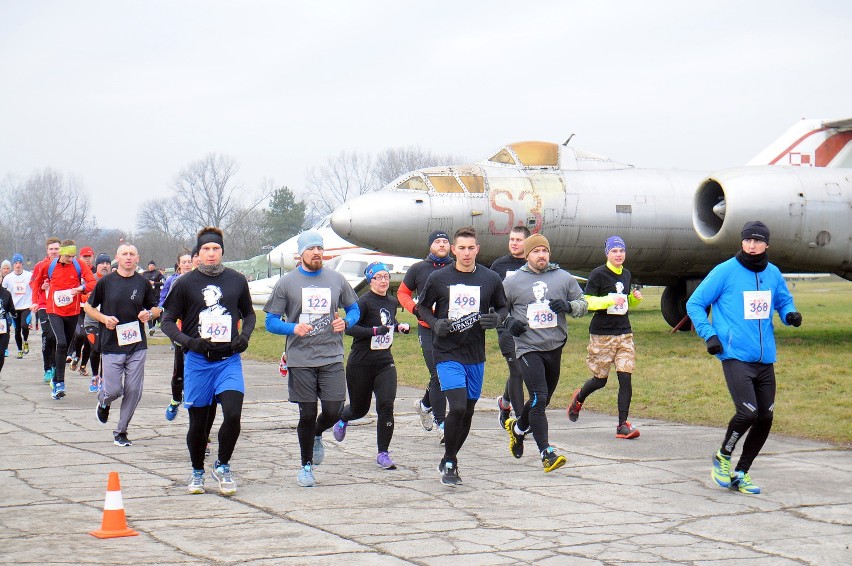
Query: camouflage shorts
column 604, row 350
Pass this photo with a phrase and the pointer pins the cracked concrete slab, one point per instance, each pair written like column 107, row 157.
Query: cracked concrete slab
column 645, row 501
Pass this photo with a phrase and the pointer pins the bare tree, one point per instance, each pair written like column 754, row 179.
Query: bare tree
column 341, row 178
column 246, row 238
column 392, row 163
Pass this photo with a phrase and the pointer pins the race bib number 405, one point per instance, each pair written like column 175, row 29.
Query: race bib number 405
column 382, row 342
column 128, row 333
column 216, row 327
column 757, row 304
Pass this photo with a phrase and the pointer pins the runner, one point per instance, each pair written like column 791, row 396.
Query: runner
column 120, row 302
column 80, row 349
column 610, row 335
column 743, row 292
column 506, row 266
column 92, row 328
column 184, row 265
column 155, row 278
column 308, row 298
column 433, row 406
column 468, row 299
column 210, row 302
column 7, row 307
column 18, row 284
column 370, row 369
column 540, row 294
column 5, row 269
column 63, row 276
column 39, row 308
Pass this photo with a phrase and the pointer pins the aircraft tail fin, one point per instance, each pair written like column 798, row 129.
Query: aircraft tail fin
column 811, row 143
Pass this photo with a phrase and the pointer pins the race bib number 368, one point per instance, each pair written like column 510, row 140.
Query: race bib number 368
column 757, row 305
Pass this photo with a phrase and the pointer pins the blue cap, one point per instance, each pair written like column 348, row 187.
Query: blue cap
column 614, row 242
column 17, row 257
column 374, row 268
column 308, row 239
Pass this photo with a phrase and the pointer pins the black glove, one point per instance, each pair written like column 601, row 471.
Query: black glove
column 714, row 346
column 239, row 344
column 199, row 345
column 560, row 305
column 489, row 320
column 380, row 330
column 516, row 327
column 441, row 327
column 794, row 319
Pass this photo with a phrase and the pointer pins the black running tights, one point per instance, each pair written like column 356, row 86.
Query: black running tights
column 311, row 425
column 457, row 424
column 541, row 375
column 752, row 389
column 200, row 421
column 361, row 382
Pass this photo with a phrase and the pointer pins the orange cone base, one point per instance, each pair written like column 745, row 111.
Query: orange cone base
column 126, row 532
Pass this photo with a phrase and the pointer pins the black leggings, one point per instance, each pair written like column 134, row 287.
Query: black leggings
column 22, row 329
column 514, row 392
column 311, row 425
column 625, row 392
column 541, row 375
column 361, row 382
column 92, row 339
column 457, row 425
column 4, row 343
column 433, row 397
column 752, row 388
column 48, row 341
column 81, row 346
column 201, row 421
column 177, row 374
column 63, row 329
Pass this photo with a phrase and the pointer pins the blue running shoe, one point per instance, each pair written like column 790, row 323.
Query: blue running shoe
column 57, row 389
column 306, row 476
column 721, row 469
column 196, row 482
column 339, row 430
column 93, row 385
column 222, row 474
column 319, row 451
column 741, row 481
column 172, row 411
column 48, row 375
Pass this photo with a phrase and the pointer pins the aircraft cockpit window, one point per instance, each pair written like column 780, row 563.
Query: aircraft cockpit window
column 445, row 184
column 503, row 156
column 474, row 183
column 536, row 153
column 414, row 184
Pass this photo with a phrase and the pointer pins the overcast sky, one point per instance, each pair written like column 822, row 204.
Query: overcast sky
column 124, row 94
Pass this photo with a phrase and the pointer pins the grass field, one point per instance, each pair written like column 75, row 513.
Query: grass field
column 676, row 380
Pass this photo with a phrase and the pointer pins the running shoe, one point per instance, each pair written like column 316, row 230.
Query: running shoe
column 26, row 347
column 196, row 482
column 741, row 481
column 120, row 439
column 306, row 476
column 503, row 411
column 516, row 441
column 441, row 433
column 83, row 371
column 574, row 407
column 551, row 460
column 48, row 375
column 172, row 411
column 626, row 430
column 20, row 355
column 319, row 451
column 93, row 386
column 68, row 359
column 73, row 364
column 425, row 415
column 7, row 352
column 102, row 413
column 57, row 389
column 721, row 469
column 339, row 430
column 222, row 474
column 384, row 460
column 450, row 475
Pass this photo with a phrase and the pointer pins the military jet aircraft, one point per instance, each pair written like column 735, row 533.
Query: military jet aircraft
column 677, row 224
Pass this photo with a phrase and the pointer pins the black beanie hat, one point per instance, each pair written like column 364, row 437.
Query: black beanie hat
column 756, row 230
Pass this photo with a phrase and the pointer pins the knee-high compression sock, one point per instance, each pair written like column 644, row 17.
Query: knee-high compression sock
column 591, row 385
column 625, row 393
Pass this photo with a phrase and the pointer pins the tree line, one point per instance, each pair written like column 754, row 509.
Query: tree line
column 206, row 192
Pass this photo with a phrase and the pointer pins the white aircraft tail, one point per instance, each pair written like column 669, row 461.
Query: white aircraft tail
column 811, row 143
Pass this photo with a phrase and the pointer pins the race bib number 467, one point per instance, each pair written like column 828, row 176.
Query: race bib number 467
column 215, row 327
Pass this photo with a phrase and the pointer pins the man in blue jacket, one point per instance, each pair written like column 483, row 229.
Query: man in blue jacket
column 743, row 293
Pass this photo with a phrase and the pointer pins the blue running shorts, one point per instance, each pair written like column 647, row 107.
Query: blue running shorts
column 455, row 375
column 203, row 379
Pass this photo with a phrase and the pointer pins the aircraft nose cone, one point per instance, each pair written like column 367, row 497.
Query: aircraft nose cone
column 341, row 221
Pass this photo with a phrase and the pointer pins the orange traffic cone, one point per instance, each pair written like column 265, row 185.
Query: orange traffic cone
column 114, row 523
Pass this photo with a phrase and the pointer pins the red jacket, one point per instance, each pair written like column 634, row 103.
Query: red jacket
column 39, row 296
column 64, row 277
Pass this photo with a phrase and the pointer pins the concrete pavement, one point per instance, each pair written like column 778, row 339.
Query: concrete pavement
column 648, row 500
